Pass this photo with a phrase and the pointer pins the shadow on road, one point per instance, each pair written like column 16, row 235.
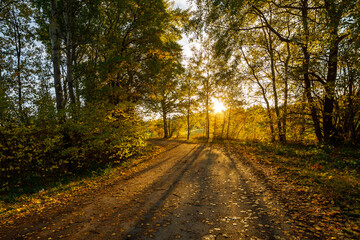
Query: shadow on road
column 172, row 179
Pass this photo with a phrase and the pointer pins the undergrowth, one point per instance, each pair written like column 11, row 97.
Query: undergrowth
column 18, row 204
column 333, row 172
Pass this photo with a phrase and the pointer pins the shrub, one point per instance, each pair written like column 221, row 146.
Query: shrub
column 32, row 155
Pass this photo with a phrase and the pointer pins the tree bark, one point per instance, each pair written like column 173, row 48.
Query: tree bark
column 54, row 36
column 306, row 66
column 306, row 60
column 170, row 132
column 188, row 116
column 214, row 132
column 18, row 48
column 228, row 126
column 286, row 90
column 334, row 12
column 263, row 92
column 274, row 87
column 350, row 123
column 207, row 110
column 164, row 115
column 69, row 54
column 223, row 125
column 329, row 98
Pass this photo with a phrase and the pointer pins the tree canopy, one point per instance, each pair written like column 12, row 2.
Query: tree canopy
column 79, row 77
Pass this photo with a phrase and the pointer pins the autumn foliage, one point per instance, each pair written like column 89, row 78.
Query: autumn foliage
column 33, row 154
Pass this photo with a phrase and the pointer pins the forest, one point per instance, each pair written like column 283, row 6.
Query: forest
column 87, row 86
column 85, row 83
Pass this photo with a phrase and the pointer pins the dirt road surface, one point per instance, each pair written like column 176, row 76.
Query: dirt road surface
column 190, row 191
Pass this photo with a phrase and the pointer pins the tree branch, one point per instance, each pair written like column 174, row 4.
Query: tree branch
column 239, row 29
column 318, row 78
column 281, row 38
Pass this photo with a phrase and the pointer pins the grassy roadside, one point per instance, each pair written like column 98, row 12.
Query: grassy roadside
column 74, row 190
column 320, row 184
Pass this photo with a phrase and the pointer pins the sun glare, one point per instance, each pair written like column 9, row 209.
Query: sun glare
column 218, row 106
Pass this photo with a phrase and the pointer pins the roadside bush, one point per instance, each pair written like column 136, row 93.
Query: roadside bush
column 33, row 155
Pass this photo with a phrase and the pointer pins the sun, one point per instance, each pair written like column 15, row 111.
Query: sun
column 218, row 106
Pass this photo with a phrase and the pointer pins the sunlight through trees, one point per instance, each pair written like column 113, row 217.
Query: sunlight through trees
column 218, row 106
column 79, row 79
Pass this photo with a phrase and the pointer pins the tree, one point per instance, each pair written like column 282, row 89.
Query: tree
column 204, row 73
column 188, row 97
column 314, row 29
column 55, row 46
column 18, row 50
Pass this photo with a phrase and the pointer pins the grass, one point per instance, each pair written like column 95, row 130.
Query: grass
column 333, row 172
column 324, row 184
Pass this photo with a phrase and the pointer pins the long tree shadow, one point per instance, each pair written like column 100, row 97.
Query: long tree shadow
column 166, row 159
column 262, row 205
column 184, row 164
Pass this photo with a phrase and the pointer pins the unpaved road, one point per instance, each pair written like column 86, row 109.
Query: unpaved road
column 190, row 191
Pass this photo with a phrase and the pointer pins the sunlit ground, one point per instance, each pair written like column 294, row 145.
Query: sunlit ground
column 218, row 106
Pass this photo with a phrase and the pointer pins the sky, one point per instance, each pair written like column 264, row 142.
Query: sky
column 184, row 42
column 183, row 4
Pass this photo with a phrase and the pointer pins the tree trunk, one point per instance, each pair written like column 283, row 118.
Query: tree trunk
column 286, row 90
column 18, row 67
column 274, row 88
column 303, row 116
column 350, row 109
column 54, row 32
column 214, row 132
column 306, row 66
column 170, row 133
column 309, row 97
column 69, row 54
column 329, row 100
column 207, row 113
column 18, row 50
column 20, row 98
column 263, row 91
column 164, row 113
column 188, row 117
column 334, row 12
column 223, row 125
column 228, row 126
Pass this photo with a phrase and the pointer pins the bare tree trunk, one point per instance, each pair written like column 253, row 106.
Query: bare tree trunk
column 274, row 87
column 329, row 100
column 188, row 117
column 20, row 98
column 18, row 50
column 270, row 50
column 306, row 61
column 306, row 66
column 271, row 124
column 223, row 125
column 207, row 112
column 164, row 115
column 263, row 91
column 77, row 87
column 334, row 12
column 303, row 116
column 17, row 36
column 228, row 126
column 351, row 113
column 170, row 132
column 286, row 91
column 69, row 54
column 309, row 97
column 214, row 132
column 54, row 32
